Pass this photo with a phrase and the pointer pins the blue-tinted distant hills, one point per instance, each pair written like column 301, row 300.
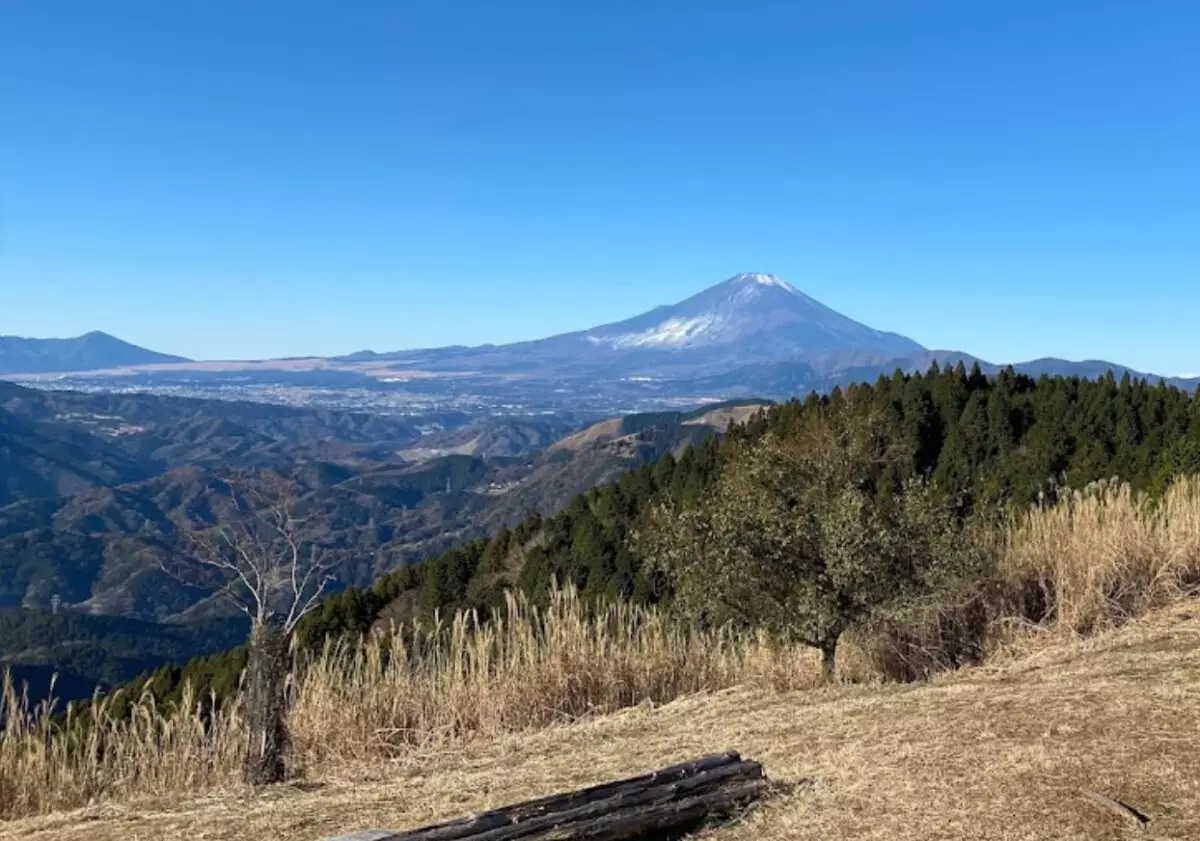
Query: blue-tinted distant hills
column 1094, row 368
column 753, row 334
column 90, row 352
column 1089, row 369
column 750, row 318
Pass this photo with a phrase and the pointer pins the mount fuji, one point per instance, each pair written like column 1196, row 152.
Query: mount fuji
column 752, row 335
column 761, row 314
column 750, row 319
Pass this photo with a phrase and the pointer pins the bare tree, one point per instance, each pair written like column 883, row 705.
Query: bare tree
column 266, row 562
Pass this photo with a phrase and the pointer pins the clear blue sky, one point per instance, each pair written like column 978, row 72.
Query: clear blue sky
column 242, row 178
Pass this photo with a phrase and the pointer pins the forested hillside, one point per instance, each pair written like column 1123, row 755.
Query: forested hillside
column 1009, row 440
column 999, row 443
column 96, row 490
column 89, row 651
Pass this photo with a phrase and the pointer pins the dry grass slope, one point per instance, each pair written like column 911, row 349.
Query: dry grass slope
column 722, row 418
column 596, row 433
column 413, row 691
column 1000, row 752
column 1092, row 682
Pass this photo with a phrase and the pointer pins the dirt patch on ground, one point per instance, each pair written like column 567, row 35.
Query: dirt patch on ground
column 594, row 434
column 720, row 419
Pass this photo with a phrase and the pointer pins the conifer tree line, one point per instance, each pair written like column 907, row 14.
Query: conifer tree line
column 947, row 440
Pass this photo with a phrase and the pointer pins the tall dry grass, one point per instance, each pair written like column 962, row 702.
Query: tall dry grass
column 46, row 765
column 1102, row 556
column 401, row 693
column 1097, row 559
column 524, row 668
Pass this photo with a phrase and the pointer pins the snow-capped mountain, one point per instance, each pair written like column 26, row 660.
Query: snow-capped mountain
column 753, row 335
column 759, row 313
column 751, row 319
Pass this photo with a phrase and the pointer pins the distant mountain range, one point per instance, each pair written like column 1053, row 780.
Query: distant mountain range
column 751, row 318
column 90, row 352
column 753, row 335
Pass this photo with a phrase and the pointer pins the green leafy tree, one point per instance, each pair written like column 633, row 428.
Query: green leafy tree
column 792, row 539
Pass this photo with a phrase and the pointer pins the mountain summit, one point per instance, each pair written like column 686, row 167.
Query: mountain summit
column 752, row 319
column 89, row 352
column 761, row 314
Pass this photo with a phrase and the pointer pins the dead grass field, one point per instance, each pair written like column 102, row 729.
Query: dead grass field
column 723, row 417
column 594, row 434
column 997, row 752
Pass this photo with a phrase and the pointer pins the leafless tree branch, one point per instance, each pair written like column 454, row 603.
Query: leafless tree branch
column 266, row 563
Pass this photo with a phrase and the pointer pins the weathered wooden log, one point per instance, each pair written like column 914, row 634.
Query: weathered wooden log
column 475, row 824
column 671, row 799
column 647, row 797
column 656, row 821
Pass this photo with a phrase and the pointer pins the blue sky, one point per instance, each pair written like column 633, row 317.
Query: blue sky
column 243, row 178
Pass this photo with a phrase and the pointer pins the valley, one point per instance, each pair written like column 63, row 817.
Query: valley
column 99, row 488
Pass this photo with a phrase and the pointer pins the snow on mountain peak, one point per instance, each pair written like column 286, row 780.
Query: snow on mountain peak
column 751, row 310
column 673, row 332
column 762, row 279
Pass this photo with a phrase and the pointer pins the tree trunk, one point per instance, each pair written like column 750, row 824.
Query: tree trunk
column 266, row 705
column 829, row 660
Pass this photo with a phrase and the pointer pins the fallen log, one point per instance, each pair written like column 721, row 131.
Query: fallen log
column 672, row 818
column 668, row 801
